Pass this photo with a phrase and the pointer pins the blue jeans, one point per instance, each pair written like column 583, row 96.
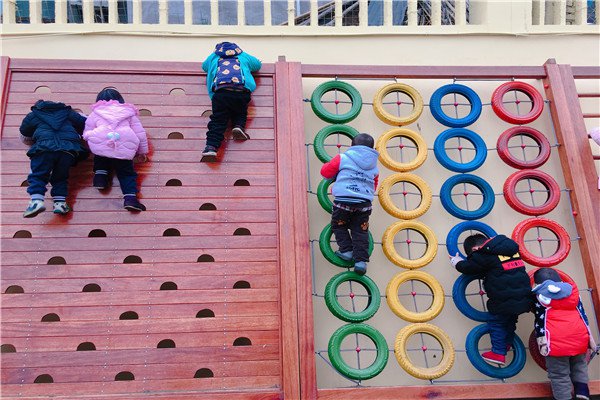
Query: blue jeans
column 502, row 331
column 53, row 167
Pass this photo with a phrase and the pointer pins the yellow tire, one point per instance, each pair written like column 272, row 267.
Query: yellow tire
column 435, row 372
column 395, row 120
column 391, row 253
column 397, row 308
column 386, row 201
column 394, row 165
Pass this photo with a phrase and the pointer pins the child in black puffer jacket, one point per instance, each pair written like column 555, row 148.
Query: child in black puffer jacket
column 506, row 283
column 54, row 132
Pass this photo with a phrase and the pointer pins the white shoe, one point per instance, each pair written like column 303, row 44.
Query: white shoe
column 34, row 208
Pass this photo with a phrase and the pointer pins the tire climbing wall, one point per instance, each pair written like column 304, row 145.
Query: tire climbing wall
column 180, row 300
column 473, row 154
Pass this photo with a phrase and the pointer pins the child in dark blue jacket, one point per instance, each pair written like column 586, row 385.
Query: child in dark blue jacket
column 229, row 81
column 506, row 283
column 54, row 132
column 356, row 177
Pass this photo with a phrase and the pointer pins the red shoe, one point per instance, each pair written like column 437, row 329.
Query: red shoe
column 492, row 357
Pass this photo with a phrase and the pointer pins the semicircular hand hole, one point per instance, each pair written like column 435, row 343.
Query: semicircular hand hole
column 175, row 135
column 173, row 182
column 42, row 89
column 206, row 113
column 205, row 313
column 168, row 286
column 86, row 346
column 22, row 234
column 242, row 341
column 242, row 232
column 7, row 348
column 25, row 183
column 132, row 259
column 51, row 317
column 177, row 92
column 91, row 287
column 44, row 378
column 144, row 112
column 242, row 285
column 124, row 376
column 129, row 315
column 206, row 258
column 207, row 207
column 12, row 289
column 166, row 344
column 241, row 182
column 97, row 233
column 57, row 261
column 171, row 232
column 204, row 373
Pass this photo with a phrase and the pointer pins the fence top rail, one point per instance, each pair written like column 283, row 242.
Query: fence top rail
column 438, row 72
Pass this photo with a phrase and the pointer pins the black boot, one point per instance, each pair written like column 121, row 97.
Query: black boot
column 131, row 203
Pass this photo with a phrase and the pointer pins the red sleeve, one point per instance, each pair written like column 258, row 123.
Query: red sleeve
column 330, row 169
column 376, row 181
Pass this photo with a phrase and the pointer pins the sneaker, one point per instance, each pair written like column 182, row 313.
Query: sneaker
column 360, row 267
column 344, row 255
column 34, row 208
column 582, row 390
column 238, row 133
column 209, row 154
column 100, row 181
column 495, row 358
column 61, row 207
column 131, row 203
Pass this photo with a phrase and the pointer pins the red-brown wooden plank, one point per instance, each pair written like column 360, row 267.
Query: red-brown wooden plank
column 5, row 79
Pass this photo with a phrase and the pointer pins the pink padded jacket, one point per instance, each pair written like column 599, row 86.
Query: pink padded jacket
column 113, row 130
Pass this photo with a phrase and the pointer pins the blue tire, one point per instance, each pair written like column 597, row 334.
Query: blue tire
column 458, row 229
column 435, row 105
column 440, row 151
column 459, row 296
column 486, row 205
column 512, row 369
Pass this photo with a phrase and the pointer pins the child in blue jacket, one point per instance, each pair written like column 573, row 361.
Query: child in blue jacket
column 229, row 81
column 53, row 130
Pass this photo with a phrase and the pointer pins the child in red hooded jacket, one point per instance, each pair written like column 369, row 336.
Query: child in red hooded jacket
column 563, row 334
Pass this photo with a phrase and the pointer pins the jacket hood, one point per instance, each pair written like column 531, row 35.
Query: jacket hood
column 227, row 49
column 500, row 245
column 365, row 157
column 553, row 290
column 114, row 112
column 51, row 113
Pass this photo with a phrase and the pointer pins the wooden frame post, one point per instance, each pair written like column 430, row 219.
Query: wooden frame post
column 577, row 165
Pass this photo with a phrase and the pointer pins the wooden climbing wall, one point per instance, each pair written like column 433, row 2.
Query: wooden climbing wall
column 182, row 300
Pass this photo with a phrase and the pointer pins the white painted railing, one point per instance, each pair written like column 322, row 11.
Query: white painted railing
column 300, row 17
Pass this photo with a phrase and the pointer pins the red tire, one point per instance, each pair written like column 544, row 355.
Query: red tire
column 510, row 192
column 537, row 102
column 564, row 242
column 534, row 351
column 537, row 136
column 563, row 276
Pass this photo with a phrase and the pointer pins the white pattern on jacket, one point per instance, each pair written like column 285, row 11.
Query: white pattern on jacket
column 113, row 130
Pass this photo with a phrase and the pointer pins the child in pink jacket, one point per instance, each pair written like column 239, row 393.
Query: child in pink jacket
column 116, row 136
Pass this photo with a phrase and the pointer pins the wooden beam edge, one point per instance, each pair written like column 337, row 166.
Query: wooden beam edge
column 6, row 74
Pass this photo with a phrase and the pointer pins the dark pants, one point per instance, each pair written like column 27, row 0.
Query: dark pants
column 502, row 331
column 351, row 230
column 53, row 167
column 226, row 105
column 124, row 170
column 563, row 372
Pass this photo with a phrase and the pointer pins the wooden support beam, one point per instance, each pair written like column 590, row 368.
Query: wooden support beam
column 5, row 81
column 578, row 167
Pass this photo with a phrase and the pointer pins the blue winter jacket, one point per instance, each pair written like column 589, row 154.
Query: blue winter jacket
column 355, row 183
column 248, row 63
column 54, row 127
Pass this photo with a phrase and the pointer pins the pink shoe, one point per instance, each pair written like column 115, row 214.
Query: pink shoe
column 492, row 357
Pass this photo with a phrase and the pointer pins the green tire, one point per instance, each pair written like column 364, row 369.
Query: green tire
column 331, row 299
column 335, row 355
column 329, row 254
column 319, row 142
column 323, row 196
column 324, row 114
